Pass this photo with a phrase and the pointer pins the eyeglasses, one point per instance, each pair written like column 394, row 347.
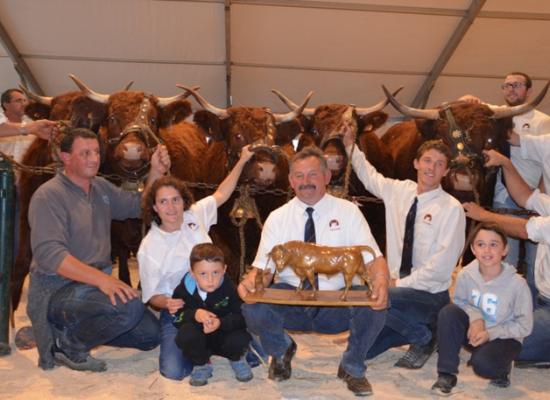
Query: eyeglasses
column 513, row 85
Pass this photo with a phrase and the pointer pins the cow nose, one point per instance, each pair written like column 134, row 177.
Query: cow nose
column 132, row 151
column 265, row 173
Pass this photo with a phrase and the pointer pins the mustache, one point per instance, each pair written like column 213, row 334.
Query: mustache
column 307, row 186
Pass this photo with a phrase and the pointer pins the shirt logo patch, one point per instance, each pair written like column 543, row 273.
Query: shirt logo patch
column 105, row 199
column 192, row 226
column 334, row 225
column 427, row 219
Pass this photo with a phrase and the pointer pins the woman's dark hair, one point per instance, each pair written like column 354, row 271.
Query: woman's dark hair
column 148, row 200
column 487, row 226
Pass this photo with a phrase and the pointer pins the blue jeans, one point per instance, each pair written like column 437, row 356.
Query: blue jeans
column 490, row 360
column 269, row 321
column 536, row 346
column 513, row 250
column 83, row 318
column 410, row 320
column 172, row 363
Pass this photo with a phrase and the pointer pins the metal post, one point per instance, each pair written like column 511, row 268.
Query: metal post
column 7, row 217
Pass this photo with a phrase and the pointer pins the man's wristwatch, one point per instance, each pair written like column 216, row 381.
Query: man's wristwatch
column 23, row 129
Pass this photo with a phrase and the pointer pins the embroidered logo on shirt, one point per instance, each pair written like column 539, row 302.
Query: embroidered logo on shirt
column 427, row 219
column 105, row 199
column 526, row 126
column 222, row 303
column 334, row 225
column 192, row 226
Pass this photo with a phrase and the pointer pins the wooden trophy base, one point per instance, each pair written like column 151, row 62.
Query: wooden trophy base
column 330, row 298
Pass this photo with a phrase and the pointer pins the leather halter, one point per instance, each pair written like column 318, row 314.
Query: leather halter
column 460, row 142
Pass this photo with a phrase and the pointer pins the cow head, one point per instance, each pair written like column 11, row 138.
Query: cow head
column 131, row 131
column 73, row 107
column 467, row 129
column 280, row 256
column 327, row 124
column 255, row 126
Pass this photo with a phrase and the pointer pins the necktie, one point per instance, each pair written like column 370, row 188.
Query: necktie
column 309, row 231
column 309, row 236
column 408, row 239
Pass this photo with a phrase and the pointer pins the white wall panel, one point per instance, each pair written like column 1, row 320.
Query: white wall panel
column 337, row 39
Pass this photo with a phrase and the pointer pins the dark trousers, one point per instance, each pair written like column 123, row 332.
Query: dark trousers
column 198, row 346
column 490, row 360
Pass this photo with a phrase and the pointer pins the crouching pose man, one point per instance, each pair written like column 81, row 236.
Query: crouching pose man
column 74, row 302
column 491, row 314
column 315, row 216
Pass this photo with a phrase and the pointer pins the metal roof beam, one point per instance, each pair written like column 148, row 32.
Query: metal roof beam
column 19, row 64
column 423, row 93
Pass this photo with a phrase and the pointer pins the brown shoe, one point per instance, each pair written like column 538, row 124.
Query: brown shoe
column 358, row 386
column 280, row 368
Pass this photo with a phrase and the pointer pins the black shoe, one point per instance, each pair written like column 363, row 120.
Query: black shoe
column 358, row 386
column 84, row 362
column 444, row 384
column 417, row 355
column 279, row 368
column 522, row 364
column 503, row 382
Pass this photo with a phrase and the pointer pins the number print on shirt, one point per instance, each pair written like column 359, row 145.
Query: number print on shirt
column 487, row 303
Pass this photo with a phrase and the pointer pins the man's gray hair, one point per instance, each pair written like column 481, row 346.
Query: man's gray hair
column 310, row 151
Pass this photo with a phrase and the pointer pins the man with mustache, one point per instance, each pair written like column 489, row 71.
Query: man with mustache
column 315, row 216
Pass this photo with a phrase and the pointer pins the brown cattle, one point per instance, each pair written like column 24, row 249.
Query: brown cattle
column 308, row 259
column 467, row 129
column 137, row 122
column 270, row 135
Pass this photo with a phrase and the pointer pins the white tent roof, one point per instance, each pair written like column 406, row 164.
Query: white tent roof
column 342, row 49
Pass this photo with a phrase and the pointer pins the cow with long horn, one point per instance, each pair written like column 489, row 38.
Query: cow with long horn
column 467, row 129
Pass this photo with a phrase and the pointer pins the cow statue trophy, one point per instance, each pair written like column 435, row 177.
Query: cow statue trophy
column 309, row 259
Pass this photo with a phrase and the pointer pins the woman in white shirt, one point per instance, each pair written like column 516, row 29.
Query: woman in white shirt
column 177, row 224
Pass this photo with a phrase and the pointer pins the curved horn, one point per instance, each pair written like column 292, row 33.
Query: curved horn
column 430, row 113
column 39, row 99
column 289, row 116
column 377, row 107
column 507, row 111
column 128, row 86
column 220, row 112
column 99, row 97
column 165, row 101
column 308, row 111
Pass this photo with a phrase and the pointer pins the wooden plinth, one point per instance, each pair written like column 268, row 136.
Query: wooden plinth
column 329, row 298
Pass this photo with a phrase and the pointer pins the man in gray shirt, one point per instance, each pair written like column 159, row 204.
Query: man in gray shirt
column 74, row 302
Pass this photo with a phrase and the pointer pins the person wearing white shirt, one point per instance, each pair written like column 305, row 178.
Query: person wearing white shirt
column 416, row 293
column 337, row 222
column 177, row 224
column 536, row 347
column 516, row 90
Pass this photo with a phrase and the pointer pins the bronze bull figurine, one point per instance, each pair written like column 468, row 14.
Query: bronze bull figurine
column 307, row 259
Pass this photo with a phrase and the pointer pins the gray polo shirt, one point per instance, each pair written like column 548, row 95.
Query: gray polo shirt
column 65, row 220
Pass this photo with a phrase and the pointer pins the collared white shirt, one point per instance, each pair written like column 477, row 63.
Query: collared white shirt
column 537, row 148
column 534, row 123
column 163, row 257
column 16, row 145
column 439, row 228
column 538, row 230
column 338, row 222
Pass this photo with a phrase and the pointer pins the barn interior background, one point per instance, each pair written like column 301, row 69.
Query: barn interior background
column 237, row 50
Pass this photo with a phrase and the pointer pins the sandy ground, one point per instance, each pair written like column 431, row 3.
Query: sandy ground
column 134, row 374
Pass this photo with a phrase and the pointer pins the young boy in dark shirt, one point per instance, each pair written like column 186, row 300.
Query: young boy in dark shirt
column 210, row 321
